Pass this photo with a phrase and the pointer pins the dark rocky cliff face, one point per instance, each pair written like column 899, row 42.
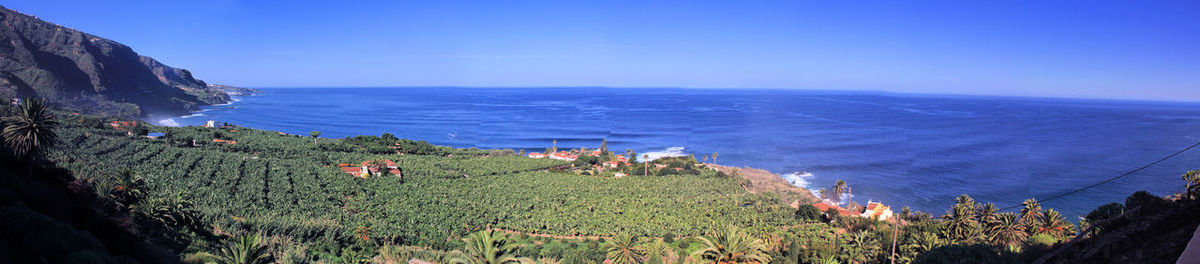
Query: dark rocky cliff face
column 91, row 74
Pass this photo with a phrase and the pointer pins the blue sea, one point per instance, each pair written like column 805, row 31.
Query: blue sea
column 901, row 149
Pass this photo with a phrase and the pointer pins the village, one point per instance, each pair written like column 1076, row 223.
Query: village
column 873, row 210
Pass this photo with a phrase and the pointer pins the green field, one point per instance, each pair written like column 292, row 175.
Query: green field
column 290, row 186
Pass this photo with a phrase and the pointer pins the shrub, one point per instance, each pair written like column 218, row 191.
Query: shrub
column 808, row 213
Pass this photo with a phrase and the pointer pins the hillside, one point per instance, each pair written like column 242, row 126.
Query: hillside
column 91, row 74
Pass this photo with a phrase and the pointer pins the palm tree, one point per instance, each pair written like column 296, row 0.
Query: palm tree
column 240, row 249
column 1030, row 212
column 128, row 188
column 960, row 222
column 659, row 251
column 715, row 157
column 1193, row 184
column 315, row 135
column 1052, row 222
column 861, row 246
column 732, row 246
column 839, row 188
column 604, row 147
column 622, row 250
column 31, row 130
column 926, row 241
column 987, row 213
column 484, row 247
column 174, row 211
column 1008, row 231
column 646, row 162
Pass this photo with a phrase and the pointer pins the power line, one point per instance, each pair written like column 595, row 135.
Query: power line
column 1113, row 178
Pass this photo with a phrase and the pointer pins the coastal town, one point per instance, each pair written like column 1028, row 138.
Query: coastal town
column 829, row 204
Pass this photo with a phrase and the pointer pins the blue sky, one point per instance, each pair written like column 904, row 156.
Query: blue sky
column 1094, row 49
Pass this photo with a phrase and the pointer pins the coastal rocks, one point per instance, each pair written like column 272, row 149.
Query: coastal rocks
column 764, row 181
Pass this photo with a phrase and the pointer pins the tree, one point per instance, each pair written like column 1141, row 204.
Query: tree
column 714, row 157
column 380, row 166
column 553, row 148
column 659, row 252
column 839, row 188
column 1031, row 210
column 484, row 247
column 1053, row 223
column 240, row 249
column 175, row 211
column 604, row 147
column 315, row 135
column 646, row 163
column 987, row 213
column 960, row 220
column 732, row 246
column 1007, row 231
column 1192, row 190
column 622, row 250
column 128, row 188
column 31, row 130
column 808, row 213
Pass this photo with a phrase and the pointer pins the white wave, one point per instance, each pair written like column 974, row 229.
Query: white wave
column 192, row 115
column 167, row 122
column 669, row 152
column 798, row 179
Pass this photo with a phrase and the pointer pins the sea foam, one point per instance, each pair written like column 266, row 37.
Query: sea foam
column 669, row 152
column 167, row 122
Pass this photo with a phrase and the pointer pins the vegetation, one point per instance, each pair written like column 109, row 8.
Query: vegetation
column 286, row 200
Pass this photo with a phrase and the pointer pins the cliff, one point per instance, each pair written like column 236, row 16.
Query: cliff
column 90, row 74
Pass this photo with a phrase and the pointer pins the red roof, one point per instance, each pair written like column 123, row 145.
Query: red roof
column 825, row 207
column 388, row 163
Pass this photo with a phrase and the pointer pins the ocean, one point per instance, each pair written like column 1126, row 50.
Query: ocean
column 902, row 149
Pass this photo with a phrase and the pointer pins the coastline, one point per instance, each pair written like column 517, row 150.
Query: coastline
column 764, row 181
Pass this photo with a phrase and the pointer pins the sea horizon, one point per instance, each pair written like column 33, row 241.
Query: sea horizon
column 861, row 91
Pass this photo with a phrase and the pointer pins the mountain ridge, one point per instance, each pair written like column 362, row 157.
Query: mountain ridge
column 91, row 74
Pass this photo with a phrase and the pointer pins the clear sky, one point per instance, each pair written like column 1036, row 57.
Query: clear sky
column 1096, row 49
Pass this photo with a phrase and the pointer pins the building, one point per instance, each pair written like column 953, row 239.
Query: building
column 122, row 125
column 368, row 168
column 230, row 142
column 619, row 175
column 564, row 156
column 824, row 207
column 877, row 211
column 612, row 164
column 537, row 155
column 210, row 123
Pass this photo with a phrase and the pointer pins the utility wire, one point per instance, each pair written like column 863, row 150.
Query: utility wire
column 1113, row 178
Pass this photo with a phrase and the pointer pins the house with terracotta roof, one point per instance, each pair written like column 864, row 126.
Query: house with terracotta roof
column 564, row 156
column 368, row 168
column 824, row 207
column 230, row 142
column 877, row 211
column 122, row 125
column 537, row 155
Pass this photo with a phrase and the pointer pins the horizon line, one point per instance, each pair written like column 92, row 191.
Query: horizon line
column 860, row 91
